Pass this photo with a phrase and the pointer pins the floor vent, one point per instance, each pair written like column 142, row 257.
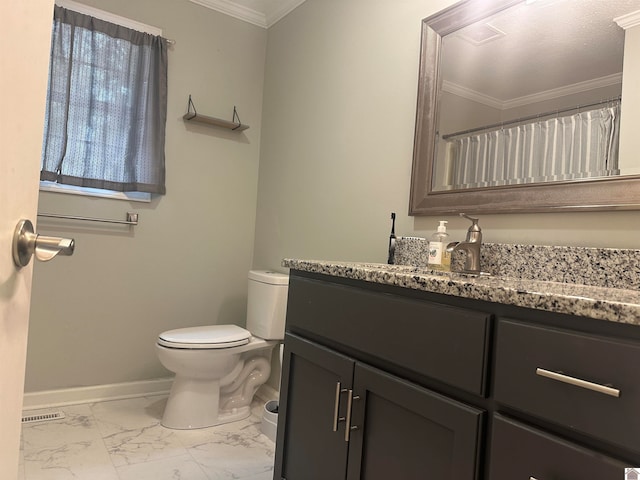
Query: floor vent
column 43, row 417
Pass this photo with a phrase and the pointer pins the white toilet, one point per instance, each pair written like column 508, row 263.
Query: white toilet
column 219, row 368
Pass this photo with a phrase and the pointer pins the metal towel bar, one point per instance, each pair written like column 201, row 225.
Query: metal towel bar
column 132, row 218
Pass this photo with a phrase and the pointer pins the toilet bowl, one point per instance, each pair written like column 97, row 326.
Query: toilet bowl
column 219, row 368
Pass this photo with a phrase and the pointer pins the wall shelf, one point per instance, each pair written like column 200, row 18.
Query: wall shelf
column 192, row 116
column 216, row 122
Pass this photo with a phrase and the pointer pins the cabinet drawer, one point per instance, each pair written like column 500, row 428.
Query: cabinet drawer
column 571, row 379
column 445, row 343
column 522, row 452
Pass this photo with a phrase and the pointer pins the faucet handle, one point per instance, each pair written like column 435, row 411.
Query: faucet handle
column 474, row 222
column 474, row 234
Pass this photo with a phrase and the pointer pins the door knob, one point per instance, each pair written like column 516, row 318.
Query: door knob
column 26, row 243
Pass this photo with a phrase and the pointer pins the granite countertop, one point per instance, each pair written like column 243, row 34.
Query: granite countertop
column 602, row 303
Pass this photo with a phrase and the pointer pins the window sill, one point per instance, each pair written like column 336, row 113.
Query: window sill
column 94, row 192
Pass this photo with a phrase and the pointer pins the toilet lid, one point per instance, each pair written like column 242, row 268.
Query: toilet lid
column 212, row 336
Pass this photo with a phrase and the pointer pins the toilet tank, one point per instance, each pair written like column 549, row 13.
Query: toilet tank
column 267, row 304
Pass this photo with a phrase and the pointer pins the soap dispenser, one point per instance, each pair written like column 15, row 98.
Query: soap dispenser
column 439, row 258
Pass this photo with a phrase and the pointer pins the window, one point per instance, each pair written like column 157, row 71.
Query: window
column 106, row 106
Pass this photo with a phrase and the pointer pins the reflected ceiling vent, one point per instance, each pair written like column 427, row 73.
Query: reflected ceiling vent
column 479, row 34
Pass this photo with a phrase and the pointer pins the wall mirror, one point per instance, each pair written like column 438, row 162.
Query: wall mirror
column 520, row 109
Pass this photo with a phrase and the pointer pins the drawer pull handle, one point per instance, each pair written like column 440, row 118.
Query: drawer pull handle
column 336, row 407
column 348, row 427
column 596, row 387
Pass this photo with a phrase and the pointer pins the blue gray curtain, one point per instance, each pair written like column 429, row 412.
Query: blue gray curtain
column 582, row 145
column 106, row 106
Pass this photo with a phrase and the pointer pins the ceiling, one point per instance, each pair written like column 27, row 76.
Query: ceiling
column 263, row 13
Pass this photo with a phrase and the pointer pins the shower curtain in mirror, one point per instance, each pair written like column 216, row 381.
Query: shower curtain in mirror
column 582, row 145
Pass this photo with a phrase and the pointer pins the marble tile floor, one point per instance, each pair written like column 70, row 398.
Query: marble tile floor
column 123, row 440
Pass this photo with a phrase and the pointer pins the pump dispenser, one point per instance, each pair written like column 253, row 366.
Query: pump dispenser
column 439, row 258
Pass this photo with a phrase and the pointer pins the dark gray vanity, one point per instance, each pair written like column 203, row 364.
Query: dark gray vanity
column 391, row 372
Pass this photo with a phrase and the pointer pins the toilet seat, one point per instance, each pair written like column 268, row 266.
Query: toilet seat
column 206, row 337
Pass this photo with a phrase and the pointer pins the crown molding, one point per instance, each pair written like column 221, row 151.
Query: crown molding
column 493, row 102
column 234, row 10
column 574, row 88
column 250, row 15
column 629, row 20
column 474, row 95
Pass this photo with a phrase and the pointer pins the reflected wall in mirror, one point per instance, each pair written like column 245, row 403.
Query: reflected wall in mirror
column 519, row 108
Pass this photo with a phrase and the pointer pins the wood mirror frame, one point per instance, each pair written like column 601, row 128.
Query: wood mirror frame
column 615, row 193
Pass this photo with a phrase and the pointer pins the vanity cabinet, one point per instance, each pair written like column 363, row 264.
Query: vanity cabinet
column 382, row 382
column 347, row 409
column 346, row 419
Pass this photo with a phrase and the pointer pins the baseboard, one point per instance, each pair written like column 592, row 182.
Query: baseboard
column 95, row 393
column 114, row 391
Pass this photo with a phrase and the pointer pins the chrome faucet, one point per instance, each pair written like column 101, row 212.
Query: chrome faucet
column 471, row 246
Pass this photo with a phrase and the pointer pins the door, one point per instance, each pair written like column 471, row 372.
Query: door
column 24, row 59
column 311, row 441
column 401, row 430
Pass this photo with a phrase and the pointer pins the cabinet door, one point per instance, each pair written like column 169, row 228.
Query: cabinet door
column 308, row 448
column 407, row 432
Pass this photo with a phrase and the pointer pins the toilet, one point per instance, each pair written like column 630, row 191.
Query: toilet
column 219, row 368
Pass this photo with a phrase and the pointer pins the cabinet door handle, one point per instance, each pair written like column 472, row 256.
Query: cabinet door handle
column 596, row 387
column 336, row 406
column 348, row 427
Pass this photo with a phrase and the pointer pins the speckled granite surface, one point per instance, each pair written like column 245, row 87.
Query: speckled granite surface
column 603, row 303
column 598, row 267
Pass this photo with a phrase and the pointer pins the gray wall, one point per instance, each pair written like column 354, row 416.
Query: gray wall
column 338, row 121
column 95, row 316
